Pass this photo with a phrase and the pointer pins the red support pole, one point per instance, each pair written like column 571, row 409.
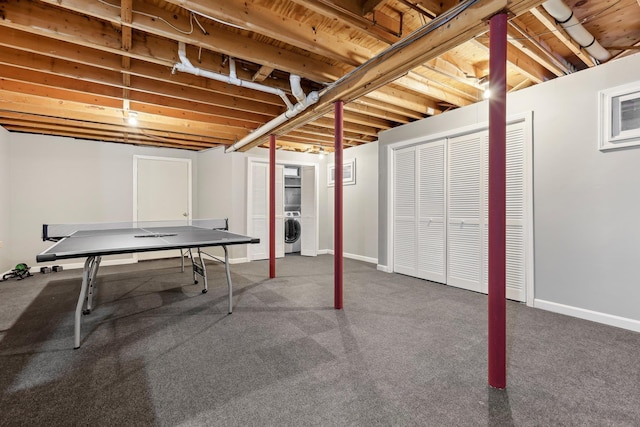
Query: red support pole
column 272, row 206
column 497, row 321
column 337, row 240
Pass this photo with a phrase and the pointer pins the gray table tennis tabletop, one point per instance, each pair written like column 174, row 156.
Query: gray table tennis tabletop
column 132, row 240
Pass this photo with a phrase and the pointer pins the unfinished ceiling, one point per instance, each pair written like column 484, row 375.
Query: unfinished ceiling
column 200, row 74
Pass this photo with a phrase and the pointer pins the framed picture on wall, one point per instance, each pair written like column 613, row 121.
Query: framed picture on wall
column 619, row 117
column 348, row 173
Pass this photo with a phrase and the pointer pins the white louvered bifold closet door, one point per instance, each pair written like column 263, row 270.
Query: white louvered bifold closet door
column 431, row 212
column 441, row 211
column 465, row 228
column 516, row 194
column 404, row 212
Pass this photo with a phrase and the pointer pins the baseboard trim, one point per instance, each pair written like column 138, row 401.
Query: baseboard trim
column 356, row 257
column 384, row 268
column 594, row 316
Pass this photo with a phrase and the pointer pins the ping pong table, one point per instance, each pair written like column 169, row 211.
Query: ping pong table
column 94, row 241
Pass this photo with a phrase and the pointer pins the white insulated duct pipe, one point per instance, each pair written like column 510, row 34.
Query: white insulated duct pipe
column 306, row 101
column 564, row 16
column 185, row 66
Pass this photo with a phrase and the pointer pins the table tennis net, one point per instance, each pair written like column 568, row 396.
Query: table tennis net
column 55, row 232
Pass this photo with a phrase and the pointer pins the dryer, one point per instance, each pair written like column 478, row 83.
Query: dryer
column 292, row 232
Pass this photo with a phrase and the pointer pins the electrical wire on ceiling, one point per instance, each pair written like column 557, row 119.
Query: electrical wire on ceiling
column 192, row 18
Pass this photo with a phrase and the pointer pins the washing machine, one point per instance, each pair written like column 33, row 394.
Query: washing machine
column 292, row 232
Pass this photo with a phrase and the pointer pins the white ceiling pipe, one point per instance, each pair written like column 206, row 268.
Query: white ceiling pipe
column 310, row 99
column 296, row 89
column 564, row 16
column 185, row 66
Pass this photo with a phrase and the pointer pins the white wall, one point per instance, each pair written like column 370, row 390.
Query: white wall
column 221, row 193
column 5, row 193
column 586, row 202
column 64, row 180
column 215, row 193
column 359, row 205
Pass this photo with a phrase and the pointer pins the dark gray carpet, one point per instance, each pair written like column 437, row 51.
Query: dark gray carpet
column 156, row 351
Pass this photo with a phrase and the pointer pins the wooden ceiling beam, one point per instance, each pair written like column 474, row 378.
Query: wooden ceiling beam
column 397, row 113
column 519, row 30
column 436, row 7
column 150, row 42
column 423, row 46
column 151, row 49
column 424, row 85
column 48, row 107
column 310, row 132
column 24, row 81
column 467, row 90
column 125, row 138
column 143, row 102
column 126, row 40
column 349, row 126
column 416, row 106
column 523, row 63
column 262, row 74
column 312, row 35
column 351, row 15
column 459, row 70
column 216, row 39
column 95, row 133
column 526, row 47
column 227, row 43
column 375, row 111
column 9, row 117
column 14, row 44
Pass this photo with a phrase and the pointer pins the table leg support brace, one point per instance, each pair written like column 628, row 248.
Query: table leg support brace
column 89, row 273
column 203, row 271
column 92, row 283
column 229, row 285
column 199, row 269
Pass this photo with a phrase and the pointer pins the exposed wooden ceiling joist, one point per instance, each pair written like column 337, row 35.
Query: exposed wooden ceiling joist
column 82, row 65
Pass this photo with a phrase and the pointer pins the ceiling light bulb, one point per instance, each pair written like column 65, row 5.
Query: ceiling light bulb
column 486, row 94
column 132, row 118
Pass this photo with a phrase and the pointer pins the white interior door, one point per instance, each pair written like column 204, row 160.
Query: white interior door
column 465, row 229
column 163, row 193
column 431, row 194
column 258, row 210
column 309, row 212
